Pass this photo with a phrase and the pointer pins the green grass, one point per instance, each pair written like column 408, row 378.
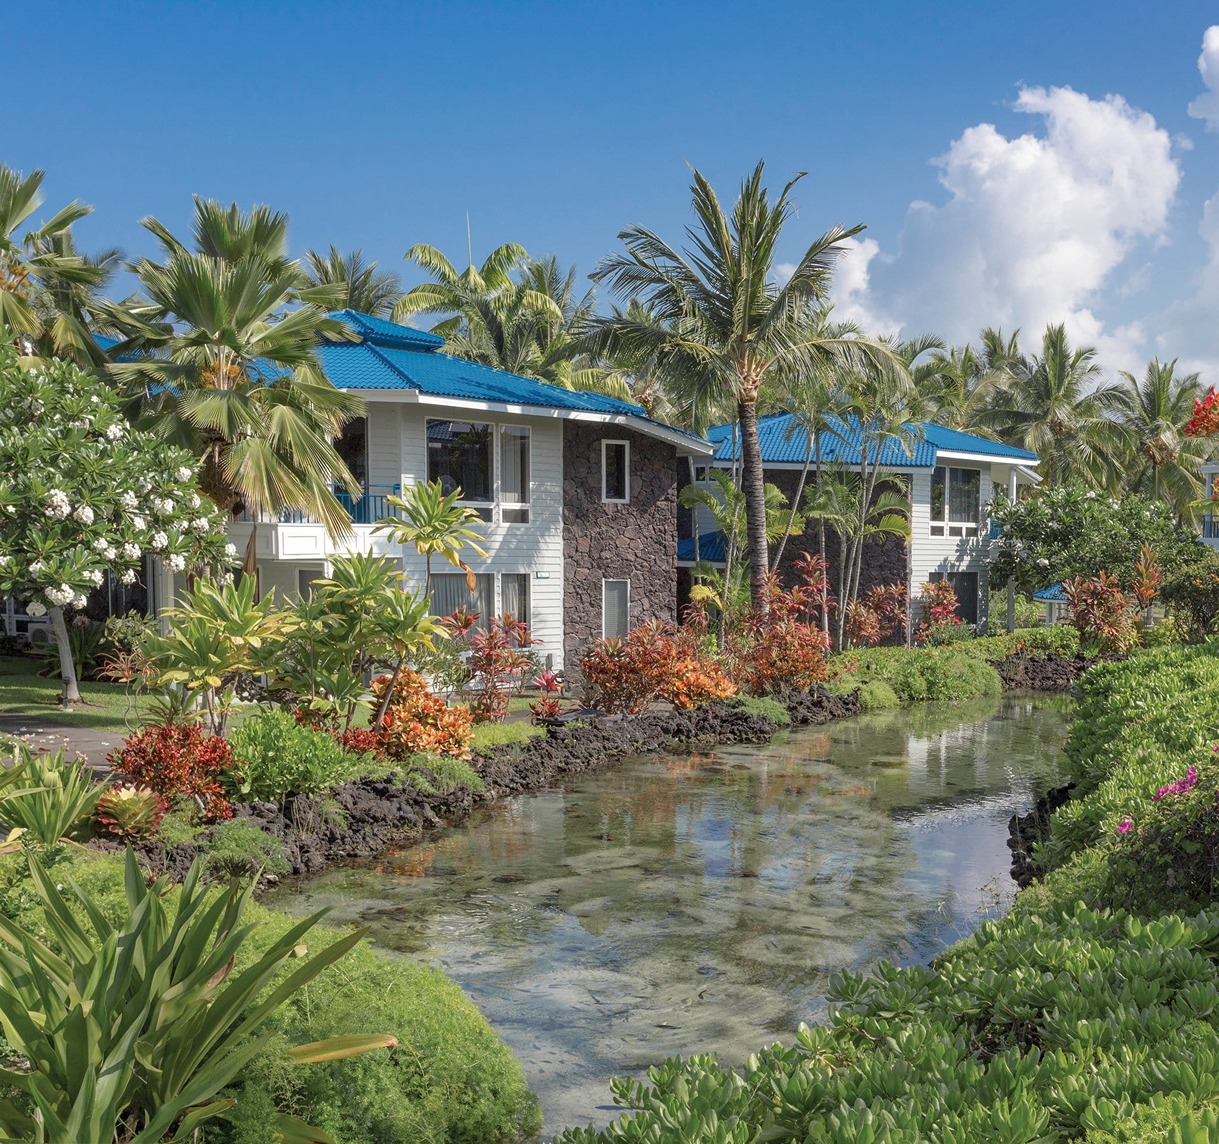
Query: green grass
column 489, row 735
column 23, row 692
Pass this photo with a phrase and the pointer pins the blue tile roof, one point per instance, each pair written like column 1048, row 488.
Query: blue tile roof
column 1053, row 594
column 710, row 547
column 785, row 442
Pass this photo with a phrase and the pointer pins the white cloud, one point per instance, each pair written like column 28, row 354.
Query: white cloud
column 1031, row 231
column 1206, row 106
column 1188, row 328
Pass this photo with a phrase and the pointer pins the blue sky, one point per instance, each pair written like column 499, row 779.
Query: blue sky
column 554, row 125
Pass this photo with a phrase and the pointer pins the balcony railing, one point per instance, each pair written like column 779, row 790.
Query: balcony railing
column 1210, row 527
column 368, row 508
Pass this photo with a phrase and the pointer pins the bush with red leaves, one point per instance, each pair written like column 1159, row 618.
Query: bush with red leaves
column 179, row 762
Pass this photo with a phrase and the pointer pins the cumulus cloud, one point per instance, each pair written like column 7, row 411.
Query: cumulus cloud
column 1188, row 328
column 1032, row 229
column 1206, row 106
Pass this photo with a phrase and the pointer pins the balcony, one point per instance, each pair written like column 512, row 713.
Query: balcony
column 1210, row 527
column 369, row 507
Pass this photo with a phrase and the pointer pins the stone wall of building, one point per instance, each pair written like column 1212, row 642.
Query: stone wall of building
column 635, row 541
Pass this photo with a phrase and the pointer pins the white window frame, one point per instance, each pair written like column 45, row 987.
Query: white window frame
column 616, row 580
column 941, row 526
column 489, row 506
column 527, row 507
column 626, row 472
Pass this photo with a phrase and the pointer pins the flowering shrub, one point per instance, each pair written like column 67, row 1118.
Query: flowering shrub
column 131, row 812
column 1205, row 419
column 625, row 675
column 179, row 762
column 418, row 721
column 1102, row 613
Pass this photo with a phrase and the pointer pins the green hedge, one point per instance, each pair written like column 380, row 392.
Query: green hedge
column 450, row 1081
column 921, row 674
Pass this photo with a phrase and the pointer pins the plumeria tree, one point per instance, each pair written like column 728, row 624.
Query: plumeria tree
column 83, row 495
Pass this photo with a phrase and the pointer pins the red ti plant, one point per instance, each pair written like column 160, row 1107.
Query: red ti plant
column 1101, row 612
column 499, row 662
column 1146, row 586
column 547, row 707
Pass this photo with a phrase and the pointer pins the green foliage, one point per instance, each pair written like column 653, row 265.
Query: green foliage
column 1056, row 639
column 441, row 774
column 189, row 1012
column 1142, row 722
column 450, row 1081
column 488, row 736
column 240, row 848
column 877, row 695
column 922, row 674
column 943, row 634
column 87, row 641
column 1037, row 1028
column 1191, row 592
column 1067, row 532
column 762, row 706
column 278, row 756
column 1029, row 613
column 55, row 799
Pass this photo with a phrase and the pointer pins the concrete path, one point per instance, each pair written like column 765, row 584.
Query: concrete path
column 51, row 735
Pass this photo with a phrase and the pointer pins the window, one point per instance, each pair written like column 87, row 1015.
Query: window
column 449, row 593
column 615, row 608
column 352, row 446
column 514, row 474
column 956, row 501
column 460, row 456
column 305, row 578
column 514, row 595
column 965, row 585
column 616, row 472
column 700, row 474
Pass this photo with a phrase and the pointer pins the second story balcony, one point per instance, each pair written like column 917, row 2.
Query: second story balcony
column 369, row 507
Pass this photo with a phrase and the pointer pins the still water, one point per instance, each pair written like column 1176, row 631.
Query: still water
column 700, row 903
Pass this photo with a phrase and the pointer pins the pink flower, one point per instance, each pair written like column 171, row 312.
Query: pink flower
column 1124, row 826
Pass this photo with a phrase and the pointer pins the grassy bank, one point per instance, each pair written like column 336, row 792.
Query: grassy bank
column 1091, row 1020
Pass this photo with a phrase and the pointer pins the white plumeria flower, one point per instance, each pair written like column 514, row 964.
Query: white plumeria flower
column 128, row 501
column 61, row 596
column 192, row 501
column 58, row 505
column 139, row 523
column 184, row 474
column 96, row 576
column 159, row 541
column 201, row 524
column 34, row 608
column 101, row 544
column 177, row 563
column 36, row 568
column 226, row 579
column 84, row 514
column 114, row 431
column 109, row 553
column 131, row 551
column 80, row 601
column 128, row 577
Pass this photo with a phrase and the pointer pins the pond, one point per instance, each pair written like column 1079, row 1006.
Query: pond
column 700, row 903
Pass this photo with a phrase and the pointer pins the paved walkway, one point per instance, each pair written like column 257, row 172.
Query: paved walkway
column 53, row 735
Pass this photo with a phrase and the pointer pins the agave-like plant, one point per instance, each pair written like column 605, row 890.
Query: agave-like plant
column 128, row 1033
column 62, row 798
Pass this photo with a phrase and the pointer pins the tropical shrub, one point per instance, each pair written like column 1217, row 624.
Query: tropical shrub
column 499, row 664
column 489, row 736
column 764, row 707
column 418, row 721
column 1192, row 593
column 939, row 603
column 548, row 705
column 163, row 975
column 877, row 695
column 439, row 774
column 240, row 848
column 55, row 798
column 277, row 755
column 626, row 674
column 1102, row 613
column 1055, row 639
column 87, row 641
column 181, row 764
column 131, row 812
column 921, row 674
column 1029, row 613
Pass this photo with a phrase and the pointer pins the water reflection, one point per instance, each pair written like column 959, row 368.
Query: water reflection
column 701, row 902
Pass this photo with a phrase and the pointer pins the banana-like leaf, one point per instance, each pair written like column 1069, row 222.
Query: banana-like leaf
column 339, row 1048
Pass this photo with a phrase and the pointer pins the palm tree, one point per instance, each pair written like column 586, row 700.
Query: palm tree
column 1052, row 405
column 45, row 283
column 720, row 327
column 364, row 287
column 1153, row 412
column 223, row 345
column 434, row 525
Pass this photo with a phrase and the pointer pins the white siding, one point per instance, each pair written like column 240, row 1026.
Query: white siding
column 384, row 443
column 930, row 554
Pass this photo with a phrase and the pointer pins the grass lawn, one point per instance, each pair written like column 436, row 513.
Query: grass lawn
column 24, row 692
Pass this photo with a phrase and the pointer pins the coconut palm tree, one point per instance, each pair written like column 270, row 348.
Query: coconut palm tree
column 364, row 287
column 1054, row 405
column 45, row 283
column 720, row 326
column 1153, row 411
column 222, row 358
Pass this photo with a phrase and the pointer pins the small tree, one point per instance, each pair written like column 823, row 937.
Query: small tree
column 435, row 524
column 83, row 495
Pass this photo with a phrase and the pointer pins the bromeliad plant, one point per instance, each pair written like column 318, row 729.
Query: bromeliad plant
column 129, row 1032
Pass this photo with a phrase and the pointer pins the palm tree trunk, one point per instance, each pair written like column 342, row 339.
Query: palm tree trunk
column 825, row 611
column 67, row 666
column 754, row 488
